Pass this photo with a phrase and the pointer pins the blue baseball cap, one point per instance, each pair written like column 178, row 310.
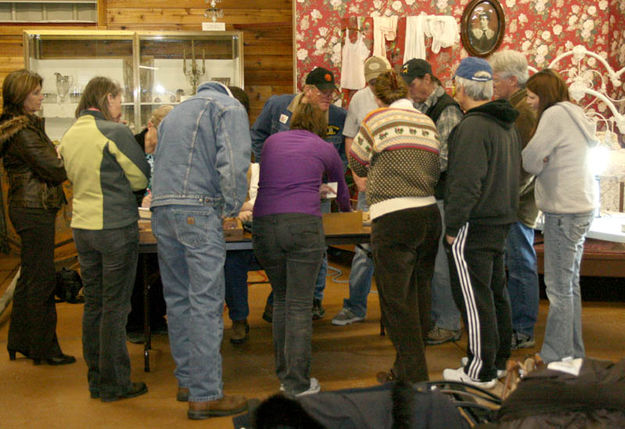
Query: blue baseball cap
column 475, row 69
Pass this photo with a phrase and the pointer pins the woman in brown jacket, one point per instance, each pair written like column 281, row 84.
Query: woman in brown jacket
column 35, row 195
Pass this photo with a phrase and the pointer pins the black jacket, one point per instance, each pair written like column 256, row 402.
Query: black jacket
column 31, row 162
column 483, row 170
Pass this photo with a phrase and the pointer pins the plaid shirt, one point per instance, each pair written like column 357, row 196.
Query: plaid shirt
column 450, row 117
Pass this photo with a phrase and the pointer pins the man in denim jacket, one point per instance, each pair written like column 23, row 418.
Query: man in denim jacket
column 200, row 176
column 319, row 89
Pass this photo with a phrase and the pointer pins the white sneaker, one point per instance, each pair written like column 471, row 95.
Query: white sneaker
column 315, row 387
column 346, row 317
column 459, row 375
column 501, row 373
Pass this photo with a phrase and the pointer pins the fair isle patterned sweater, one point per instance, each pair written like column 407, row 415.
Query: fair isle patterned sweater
column 397, row 149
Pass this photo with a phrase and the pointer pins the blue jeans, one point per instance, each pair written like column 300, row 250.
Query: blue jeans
column 191, row 255
column 108, row 262
column 238, row 263
column 522, row 278
column 361, row 273
column 445, row 313
column 564, row 244
column 290, row 247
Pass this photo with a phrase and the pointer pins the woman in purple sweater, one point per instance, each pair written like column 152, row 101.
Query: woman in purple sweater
column 288, row 235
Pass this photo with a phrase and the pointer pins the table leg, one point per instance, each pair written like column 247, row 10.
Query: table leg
column 147, row 333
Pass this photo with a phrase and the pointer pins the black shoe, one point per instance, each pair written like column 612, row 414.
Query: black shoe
column 135, row 337
column 268, row 313
column 136, row 389
column 318, row 311
column 56, row 360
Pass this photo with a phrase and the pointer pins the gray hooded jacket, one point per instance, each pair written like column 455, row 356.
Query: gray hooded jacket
column 558, row 155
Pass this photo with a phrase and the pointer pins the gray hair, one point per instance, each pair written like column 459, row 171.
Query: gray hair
column 478, row 91
column 510, row 63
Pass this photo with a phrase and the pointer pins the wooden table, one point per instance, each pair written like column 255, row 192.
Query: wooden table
column 339, row 228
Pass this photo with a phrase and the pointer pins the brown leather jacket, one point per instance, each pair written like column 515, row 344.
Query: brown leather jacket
column 31, row 162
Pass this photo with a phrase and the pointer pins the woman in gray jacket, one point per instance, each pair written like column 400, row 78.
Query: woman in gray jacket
column 565, row 192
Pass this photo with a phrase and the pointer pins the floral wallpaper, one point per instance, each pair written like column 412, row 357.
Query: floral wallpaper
column 543, row 29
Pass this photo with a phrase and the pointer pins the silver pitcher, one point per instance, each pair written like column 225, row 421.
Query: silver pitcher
column 63, row 84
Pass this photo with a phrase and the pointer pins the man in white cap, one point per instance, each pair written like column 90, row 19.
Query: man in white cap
column 481, row 202
column 355, row 307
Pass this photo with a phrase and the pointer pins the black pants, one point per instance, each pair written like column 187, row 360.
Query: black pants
column 33, row 317
column 478, row 283
column 157, row 301
column 404, row 245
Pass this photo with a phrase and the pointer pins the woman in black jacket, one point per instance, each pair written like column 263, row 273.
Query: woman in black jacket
column 35, row 195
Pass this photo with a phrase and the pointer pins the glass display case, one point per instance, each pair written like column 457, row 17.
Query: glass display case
column 152, row 68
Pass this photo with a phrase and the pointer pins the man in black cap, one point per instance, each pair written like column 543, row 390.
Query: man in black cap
column 430, row 98
column 319, row 89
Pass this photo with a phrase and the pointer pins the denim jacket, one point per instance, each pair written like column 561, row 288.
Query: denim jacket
column 203, row 152
column 276, row 117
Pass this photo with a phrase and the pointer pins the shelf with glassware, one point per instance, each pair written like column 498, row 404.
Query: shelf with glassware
column 153, row 68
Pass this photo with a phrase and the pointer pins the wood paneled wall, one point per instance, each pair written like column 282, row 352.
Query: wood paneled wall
column 267, row 28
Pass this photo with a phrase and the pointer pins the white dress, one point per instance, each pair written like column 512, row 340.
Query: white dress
column 353, row 62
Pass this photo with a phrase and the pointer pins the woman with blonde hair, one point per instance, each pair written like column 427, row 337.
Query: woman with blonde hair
column 288, row 236
column 35, row 195
column 397, row 149
column 558, row 154
column 105, row 165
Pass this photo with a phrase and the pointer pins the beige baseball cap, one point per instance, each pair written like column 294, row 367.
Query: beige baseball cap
column 375, row 66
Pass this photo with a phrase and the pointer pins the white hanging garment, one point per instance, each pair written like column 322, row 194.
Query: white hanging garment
column 415, row 38
column 352, row 62
column 443, row 30
column 384, row 28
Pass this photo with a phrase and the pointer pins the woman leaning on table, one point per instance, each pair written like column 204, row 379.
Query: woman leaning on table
column 105, row 165
column 288, row 236
column 35, row 195
column 565, row 192
column 397, row 149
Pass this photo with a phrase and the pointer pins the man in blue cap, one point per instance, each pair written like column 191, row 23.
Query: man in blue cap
column 481, row 202
column 320, row 89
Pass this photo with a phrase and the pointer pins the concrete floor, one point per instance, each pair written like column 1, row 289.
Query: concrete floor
column 57, row 397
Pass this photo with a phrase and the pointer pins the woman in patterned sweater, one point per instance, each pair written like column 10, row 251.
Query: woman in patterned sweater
column 397, row 149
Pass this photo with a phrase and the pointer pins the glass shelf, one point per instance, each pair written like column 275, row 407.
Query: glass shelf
column 153, row 68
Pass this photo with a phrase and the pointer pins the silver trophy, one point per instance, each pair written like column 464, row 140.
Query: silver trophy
column 63, row 84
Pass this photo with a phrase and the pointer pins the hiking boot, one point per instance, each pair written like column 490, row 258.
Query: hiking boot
column 317, row 311
column 386, row 376
column 268, row 313
column 226, row 406
column 240, row 330
column 346, row 317
column 441, row 335
column 521, row 341
column 462, row 377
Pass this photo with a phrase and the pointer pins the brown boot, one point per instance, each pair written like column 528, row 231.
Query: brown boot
column 240, row 329
column 183, row 394
column 226, row 406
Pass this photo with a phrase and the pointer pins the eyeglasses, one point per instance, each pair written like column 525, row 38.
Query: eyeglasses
column 331, row 94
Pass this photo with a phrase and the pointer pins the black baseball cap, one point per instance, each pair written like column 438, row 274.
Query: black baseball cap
column 321, row 78
column 416, row 67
